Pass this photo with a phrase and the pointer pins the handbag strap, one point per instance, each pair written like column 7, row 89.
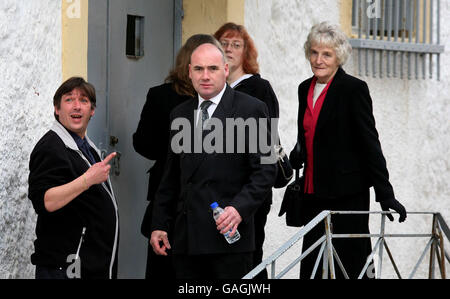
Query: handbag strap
column 297, row 174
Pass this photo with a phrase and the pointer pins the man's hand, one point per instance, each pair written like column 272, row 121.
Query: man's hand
column 58, row 197
column 229, row 220
column 99, row 172
column 393, row 204
column 160, row 242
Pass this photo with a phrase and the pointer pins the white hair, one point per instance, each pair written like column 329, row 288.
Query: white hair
column 331, row 36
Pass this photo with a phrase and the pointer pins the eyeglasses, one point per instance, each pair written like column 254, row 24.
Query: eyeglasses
column 234, row 45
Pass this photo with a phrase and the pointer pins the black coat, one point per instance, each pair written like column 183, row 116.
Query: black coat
column 152, row 134
column 347, row 153
column 262, row 90
column 192, row 181
column 55, row 161
column 151, row 138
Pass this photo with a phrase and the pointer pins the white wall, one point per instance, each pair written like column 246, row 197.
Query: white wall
column 30, row 60
column 412, row 119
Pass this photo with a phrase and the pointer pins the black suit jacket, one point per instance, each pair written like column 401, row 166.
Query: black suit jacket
column 192, row 181
column 347, row 153
column 152, row 138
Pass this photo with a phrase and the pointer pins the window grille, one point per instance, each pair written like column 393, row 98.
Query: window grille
column 402, row 32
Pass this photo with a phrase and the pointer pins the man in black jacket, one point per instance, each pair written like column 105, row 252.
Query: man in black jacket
column 192, row 181
column 151, row 140
column 77, row 225
column 242, row 57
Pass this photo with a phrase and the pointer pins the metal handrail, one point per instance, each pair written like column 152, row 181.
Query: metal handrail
column 435, row 244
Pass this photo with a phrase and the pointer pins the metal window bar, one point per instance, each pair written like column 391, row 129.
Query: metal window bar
column 403, row 31
column 438, row 36
column 389, row 32
column 417, row 35
column 400, row 28
column 367, row 25
column 411, row 15
column 382, row 25
column 328, row 254
column 396, row 18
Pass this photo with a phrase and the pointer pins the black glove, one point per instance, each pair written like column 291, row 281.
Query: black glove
column 393, row 204
column 295, row 157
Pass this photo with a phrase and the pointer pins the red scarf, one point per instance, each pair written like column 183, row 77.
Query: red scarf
column 309, row 125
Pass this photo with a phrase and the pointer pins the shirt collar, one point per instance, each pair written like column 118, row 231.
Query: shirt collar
column 68, row 140
column 215, row 100
column 78, row 140
column 246, row 76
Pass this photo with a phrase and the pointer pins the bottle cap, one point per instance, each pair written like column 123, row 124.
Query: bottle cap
column 214, row 205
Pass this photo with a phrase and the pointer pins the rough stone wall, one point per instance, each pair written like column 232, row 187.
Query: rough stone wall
column 30, row 59
column 412, row 119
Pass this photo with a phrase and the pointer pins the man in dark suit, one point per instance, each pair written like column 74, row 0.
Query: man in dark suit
column 193, row 180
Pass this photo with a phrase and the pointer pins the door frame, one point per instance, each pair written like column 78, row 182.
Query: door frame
column 99, row 61
column 99, row 74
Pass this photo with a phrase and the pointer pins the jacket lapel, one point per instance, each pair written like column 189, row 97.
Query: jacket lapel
column 303, row 104
column 223, row 111
column 331, row 99
column 225, row 108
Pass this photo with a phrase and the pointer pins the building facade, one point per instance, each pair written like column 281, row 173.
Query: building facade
column 44, row 42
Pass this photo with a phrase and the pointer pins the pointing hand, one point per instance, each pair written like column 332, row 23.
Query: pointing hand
column 99, row 172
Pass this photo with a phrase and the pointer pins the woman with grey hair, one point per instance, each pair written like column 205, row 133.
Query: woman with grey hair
column 340, row 149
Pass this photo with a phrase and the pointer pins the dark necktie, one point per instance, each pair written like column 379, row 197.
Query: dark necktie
column 204, row 107
column 85, row 148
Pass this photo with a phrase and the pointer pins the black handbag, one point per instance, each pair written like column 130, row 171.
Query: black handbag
column 292, row 203
column 284, row 171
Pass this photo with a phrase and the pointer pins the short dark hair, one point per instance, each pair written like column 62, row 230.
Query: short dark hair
column 69, row 85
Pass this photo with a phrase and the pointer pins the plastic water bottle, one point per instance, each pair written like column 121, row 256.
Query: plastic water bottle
column 217, row 211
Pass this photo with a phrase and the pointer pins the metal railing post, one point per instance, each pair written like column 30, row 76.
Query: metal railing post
column 380, row 252
column 433, row 248
column 325, row 264
column 328, row 233
column 316, row 265
column 272, row 270
column 442, row 252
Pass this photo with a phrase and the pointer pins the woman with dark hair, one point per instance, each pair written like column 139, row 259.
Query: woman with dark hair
column 341, row 152
column 151, row 138
column 242, row 58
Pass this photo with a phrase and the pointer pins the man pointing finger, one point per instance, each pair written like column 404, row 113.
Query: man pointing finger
column 71, row 193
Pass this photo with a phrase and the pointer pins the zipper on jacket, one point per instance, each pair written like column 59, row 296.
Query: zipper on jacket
column 113, row 199
column 63, row 135
column 83, row 233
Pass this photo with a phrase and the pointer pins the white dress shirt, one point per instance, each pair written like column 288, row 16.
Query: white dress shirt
column 215, row 102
